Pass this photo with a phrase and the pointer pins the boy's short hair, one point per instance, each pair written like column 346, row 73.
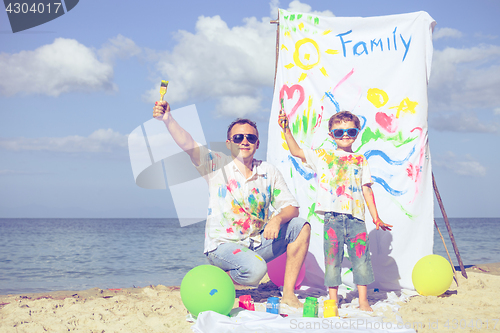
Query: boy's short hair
column 241, row 121
column 344, row 116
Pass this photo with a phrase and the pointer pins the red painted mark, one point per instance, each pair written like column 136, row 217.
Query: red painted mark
column 236, row 251
column 387, row 122
column 359, row 243
column 232, row 185
column 290, row 92
column 334, row 249
column 343, row 80
column 341, row 192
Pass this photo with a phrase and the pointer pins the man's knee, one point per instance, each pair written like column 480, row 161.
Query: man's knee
column 252, row 273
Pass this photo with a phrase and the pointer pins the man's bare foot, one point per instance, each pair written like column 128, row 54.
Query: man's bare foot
column 365, row 306
column 292, row 301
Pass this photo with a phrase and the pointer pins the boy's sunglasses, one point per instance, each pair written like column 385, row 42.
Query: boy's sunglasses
column 238, row 138
column 338, row 133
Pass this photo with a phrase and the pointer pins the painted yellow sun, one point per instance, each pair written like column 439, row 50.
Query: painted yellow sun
column 307, row 55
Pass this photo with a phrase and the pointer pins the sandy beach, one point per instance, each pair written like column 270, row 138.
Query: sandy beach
column 472, row 306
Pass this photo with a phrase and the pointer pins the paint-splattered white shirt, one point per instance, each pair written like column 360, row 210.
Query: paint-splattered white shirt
column 238, row 207
column 340, row 177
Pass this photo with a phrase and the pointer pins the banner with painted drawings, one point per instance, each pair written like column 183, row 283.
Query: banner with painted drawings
column 378, row 68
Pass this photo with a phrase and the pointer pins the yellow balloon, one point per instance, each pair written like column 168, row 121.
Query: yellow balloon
column 432, row 275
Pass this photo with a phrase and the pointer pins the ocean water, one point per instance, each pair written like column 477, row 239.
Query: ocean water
column 40, row 255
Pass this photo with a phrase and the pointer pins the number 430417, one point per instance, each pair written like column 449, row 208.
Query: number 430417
column 471, row 324
column 24, row 8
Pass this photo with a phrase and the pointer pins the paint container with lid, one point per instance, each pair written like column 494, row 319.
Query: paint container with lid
column 273, row 305
column 330, row 309
column 246, row 302
column 310, row 307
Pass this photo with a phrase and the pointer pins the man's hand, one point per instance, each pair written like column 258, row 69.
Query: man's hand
column 272, row 229
column 380, row 224
column 161, row 110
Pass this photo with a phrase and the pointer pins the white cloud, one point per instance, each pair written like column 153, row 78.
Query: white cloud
column 238, row 106
column 496, row 111
column 462, row 122
column 119, row 47
column 446, row 33
column 466, row 166
column 297, row 6
column 100, row 141
column 464, row 79
column 227, row 64
column 63, row 66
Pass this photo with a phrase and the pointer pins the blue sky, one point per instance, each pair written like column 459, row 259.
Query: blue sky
column 71, row 90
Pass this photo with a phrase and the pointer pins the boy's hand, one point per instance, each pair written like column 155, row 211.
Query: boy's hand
column 380, row 224
column 283, row 120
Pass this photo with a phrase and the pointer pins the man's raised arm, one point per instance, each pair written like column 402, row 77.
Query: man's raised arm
column 161, row 111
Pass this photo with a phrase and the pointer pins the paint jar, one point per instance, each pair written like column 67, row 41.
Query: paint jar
column 330, row 309
column 246, row 302
column 310, row 307
column 273, row 305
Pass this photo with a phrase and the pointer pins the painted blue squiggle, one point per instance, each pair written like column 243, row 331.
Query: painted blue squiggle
column 380, row 153
column 387, row 187
column 304, row 173
column 333, row 100
column 364, row 121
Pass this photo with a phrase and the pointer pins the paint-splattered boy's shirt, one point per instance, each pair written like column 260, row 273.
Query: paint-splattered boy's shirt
column 238, row 207
column 341, row 177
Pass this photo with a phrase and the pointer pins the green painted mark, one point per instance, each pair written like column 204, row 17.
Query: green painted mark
column 299, row 16
column 316, row 20
column 348, row 271
column 312, row 214
column 312, row 187
column 400, row 206
column 397, row 139
column 292, row 17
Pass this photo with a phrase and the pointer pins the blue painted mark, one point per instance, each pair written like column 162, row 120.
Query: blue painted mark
column 222, row 191
column 333, row 100
column 371, row 153
column 364, row 121
column 303, row 172
column 213, row 291
column 387, row 187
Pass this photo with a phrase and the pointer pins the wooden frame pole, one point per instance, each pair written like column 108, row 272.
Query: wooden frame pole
column 452, row 238
column 277, row 22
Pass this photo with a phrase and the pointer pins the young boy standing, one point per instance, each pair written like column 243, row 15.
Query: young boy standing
column 344, row 184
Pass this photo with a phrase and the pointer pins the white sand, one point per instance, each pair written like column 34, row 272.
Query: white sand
column 160, row 309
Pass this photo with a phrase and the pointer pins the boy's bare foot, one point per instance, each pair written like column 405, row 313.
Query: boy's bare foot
column 365, row 306
column 292, row 301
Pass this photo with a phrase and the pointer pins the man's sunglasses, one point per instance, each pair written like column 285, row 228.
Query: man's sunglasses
column 238, row 138
column 338, row 133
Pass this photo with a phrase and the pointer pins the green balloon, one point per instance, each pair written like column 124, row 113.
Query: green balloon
column 207, row 288
column 432, row 275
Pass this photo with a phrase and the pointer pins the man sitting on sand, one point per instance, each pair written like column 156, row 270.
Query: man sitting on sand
column 241, row 191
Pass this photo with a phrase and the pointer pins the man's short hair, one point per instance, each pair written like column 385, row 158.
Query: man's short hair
column 344, row 116
column 241, row 121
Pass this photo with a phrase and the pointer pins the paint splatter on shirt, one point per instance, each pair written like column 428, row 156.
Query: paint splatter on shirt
column 340, row 177
column 239, row 206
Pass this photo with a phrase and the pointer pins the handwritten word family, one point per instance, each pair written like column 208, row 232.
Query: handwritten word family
column 361, row 47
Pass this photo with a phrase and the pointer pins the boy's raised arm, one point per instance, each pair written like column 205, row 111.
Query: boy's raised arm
column 184, row 140
column 295, row 150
